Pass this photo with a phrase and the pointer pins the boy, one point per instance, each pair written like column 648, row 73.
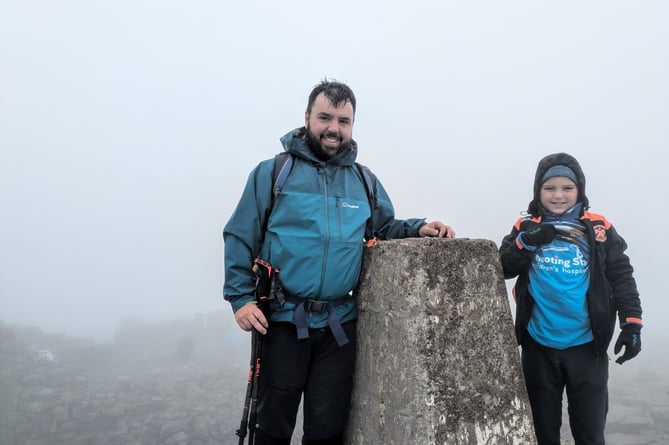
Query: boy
column 573, row 277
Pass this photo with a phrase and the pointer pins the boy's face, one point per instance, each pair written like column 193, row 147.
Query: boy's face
column 558, row 194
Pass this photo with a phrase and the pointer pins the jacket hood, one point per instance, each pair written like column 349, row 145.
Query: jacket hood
column 294, row 142
column 534, row 208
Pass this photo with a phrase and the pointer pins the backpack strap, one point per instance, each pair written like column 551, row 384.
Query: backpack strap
column 283, row 164
column 304, row 306
column 366, row 174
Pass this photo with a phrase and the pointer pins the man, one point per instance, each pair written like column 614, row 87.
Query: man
column 314, row 236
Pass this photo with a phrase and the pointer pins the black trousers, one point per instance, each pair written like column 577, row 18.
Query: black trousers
column 316, row 369
column 584, row 374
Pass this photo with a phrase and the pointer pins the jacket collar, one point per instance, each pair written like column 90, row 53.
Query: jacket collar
column 295, row 143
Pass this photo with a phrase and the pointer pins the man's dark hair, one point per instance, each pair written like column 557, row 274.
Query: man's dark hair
column 337, row 92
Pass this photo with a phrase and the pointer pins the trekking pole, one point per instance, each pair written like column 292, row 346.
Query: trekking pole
column 264, row 273
column 258, row 340
column 241, row 432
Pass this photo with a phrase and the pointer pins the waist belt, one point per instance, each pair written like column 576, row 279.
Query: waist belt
column 305, row 305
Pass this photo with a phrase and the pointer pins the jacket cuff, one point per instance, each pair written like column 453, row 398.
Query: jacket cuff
column 240, row 301
column 522, row 246
column 632, row 322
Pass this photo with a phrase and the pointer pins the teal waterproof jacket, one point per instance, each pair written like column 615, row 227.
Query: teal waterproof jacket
column 314, row 233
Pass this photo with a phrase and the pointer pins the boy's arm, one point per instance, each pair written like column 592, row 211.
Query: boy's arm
column 514, row 257
column 620, row 274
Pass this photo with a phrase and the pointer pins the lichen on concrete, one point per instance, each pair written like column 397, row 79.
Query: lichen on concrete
column 437, row 358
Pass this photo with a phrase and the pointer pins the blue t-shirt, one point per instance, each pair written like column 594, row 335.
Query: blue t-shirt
column 559, row 279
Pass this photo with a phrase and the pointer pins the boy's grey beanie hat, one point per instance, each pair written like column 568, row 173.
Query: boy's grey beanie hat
column 545, row 164
column 559, row 170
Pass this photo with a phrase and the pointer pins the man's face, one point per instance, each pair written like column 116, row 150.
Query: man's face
column 329, row 129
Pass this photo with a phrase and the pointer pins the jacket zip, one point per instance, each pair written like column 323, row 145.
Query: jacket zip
column 339, row 228
column 327, row 230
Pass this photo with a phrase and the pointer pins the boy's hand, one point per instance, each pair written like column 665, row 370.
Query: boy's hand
column 541, row 234
column 630, row 336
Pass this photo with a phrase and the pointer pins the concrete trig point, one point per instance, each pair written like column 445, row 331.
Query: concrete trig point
column 437, row 357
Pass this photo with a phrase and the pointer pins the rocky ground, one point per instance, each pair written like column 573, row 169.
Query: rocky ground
column 75, row 393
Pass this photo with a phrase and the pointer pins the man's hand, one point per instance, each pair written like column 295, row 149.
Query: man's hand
column 630, row 337
column 437, row 229
column 541, row 234
column 250, row 317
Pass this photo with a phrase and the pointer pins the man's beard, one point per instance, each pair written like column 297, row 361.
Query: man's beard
column 324, row 154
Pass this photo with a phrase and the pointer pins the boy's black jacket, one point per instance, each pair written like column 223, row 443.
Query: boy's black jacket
column 612, row 285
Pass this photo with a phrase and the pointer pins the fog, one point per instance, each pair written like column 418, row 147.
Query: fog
column 128, row 129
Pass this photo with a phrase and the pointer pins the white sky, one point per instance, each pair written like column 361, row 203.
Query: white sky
column 127, row 131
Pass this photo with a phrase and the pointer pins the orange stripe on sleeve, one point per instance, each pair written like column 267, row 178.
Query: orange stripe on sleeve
column 597, row 217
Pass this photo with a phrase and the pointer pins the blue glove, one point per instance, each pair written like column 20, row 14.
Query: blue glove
column 630, row 336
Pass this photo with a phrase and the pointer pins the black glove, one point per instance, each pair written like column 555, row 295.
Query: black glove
column 630, row 336
column 541, row 234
